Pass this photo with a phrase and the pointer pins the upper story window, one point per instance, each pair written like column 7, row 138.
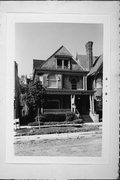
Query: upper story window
column 66, row 64
column 52, row 81
column 63, row 64
column 74, row 84
column 59, row 63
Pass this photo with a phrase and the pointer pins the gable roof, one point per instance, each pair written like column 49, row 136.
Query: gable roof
column 37, row 63
column 61, row 52
column 83, row 61
column 96, row 66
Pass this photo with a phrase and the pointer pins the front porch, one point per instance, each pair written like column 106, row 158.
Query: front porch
column 71, row 101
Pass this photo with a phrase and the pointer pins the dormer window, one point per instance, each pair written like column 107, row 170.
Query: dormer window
column 59, row 63
column 66, row 64
column 63, row 64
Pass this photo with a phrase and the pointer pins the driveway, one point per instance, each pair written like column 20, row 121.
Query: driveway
column 84, row 145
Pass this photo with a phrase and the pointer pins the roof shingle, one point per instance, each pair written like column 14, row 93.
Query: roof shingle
column 96, row 66
column 37, row 63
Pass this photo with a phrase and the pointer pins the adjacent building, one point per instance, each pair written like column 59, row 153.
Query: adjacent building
column 95, row 80
column 17, row 92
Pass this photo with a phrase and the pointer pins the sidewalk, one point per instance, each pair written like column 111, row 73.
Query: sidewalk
column 93, row 124
column 56, row 136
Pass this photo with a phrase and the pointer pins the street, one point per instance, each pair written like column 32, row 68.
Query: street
column 85, row 145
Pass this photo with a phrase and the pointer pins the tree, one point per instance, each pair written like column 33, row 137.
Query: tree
column 35, row 98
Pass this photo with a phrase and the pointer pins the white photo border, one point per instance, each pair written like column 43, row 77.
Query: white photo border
column 12, row 19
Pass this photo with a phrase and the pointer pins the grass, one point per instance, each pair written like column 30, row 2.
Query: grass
column 55, row 130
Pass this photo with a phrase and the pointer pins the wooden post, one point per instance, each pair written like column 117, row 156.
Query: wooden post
column 73, row 107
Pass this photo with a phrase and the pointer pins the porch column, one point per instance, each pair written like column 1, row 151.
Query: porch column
column 73, row 107
column 91, row 97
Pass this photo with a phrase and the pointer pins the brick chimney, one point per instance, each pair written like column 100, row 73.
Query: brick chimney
column 89, row 53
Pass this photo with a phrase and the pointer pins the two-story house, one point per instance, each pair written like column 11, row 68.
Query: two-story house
column 65, row 80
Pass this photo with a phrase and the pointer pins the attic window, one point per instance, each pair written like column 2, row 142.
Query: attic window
column 63, row 64
column 59, row 63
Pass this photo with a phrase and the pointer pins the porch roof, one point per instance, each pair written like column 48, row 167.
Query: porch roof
column 41, row 71
column 69, row 92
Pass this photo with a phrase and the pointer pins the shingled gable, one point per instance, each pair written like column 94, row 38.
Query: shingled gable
column 50, row 63
column 83, row 61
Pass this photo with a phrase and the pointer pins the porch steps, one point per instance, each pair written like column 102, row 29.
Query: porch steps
column 86, row 118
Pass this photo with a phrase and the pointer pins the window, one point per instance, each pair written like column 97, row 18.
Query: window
column 59, row 63
column 74, row 84
column 65, row 64
column 81, row 82
column 52, row 82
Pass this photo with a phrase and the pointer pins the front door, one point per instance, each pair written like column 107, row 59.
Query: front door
column 82, row 104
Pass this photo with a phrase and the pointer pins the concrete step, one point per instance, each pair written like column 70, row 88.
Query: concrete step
column 86, row 118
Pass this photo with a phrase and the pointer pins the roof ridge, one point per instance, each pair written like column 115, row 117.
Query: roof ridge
column 56, row 52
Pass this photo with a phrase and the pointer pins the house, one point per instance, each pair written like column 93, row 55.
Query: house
column 95, row 79
column 65, row 80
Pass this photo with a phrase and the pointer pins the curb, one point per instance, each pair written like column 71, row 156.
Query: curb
column 56, row 136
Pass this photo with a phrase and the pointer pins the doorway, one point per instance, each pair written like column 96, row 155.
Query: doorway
column 82, row 104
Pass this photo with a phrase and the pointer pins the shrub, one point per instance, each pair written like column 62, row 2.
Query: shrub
column 54, row 117
column 78, row 121
column 60, row 117
column 35, row 123
column 41, row 117
column 70, row 116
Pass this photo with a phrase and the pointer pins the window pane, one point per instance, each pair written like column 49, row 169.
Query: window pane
column 59, row 63
column 52, row 81
column 81, row 82
column 65, row 64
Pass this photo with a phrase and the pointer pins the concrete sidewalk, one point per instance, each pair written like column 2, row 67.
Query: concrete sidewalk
column 93, row 124
column 56, row 136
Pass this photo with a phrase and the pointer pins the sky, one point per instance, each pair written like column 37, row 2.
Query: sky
column 41, row 40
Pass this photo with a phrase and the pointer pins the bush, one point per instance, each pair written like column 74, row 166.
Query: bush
column 78, row 121
column 70, row 116
column 35, row 123
column 41, row 117
column 54, row 117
